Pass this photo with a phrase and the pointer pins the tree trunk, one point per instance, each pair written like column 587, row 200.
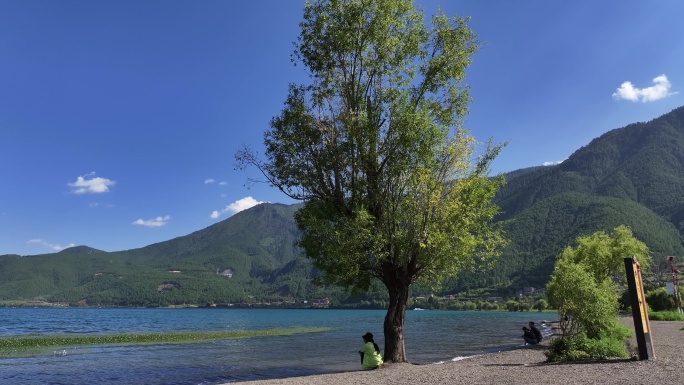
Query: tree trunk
column 394, row 322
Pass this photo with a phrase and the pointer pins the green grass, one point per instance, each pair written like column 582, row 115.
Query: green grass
column 665, row 316
column 31, row 345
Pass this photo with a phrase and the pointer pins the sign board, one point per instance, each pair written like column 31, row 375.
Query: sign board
column 669, row 286
column 639, row 309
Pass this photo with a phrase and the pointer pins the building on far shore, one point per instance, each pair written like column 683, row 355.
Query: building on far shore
column 228, row 273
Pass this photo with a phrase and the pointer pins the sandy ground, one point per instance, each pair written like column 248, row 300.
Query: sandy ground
column 525, row 366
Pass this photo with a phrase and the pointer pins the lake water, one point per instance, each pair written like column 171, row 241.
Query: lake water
column 430, row 337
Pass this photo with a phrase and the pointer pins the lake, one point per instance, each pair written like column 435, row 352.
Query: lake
column 430, row 337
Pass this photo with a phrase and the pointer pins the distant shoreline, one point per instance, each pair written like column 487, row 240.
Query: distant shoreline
column 44, row 304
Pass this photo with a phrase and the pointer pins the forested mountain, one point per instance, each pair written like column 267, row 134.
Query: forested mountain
column 80, row 250
column 632, row 176
column 249, row 257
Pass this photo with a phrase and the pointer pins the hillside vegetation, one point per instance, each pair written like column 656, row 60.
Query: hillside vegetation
column 631, row 176
column 242, row 259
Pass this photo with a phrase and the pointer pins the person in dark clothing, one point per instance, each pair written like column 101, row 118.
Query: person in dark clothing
column 536, row 332
column 528, row 336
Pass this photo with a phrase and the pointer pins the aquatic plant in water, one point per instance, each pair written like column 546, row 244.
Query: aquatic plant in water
column 30, row 345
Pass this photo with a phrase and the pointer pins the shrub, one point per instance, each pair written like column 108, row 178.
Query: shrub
column 666, row 316
column 512, row 305
column 573, row 291
column 541, row 304
column 579, row 347
column 584, row 290
column 567, row 349
column 659, row 300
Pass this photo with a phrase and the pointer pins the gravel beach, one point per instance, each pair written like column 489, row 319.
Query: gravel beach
column 525, row 366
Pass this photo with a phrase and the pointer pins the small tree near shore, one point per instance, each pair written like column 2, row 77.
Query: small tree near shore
column 584, row 289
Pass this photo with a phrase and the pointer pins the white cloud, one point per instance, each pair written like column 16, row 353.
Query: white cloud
column 660, row 90
column 552, row 163
column 90, row 184
column 236, row 207
column 212, row 181
column 242, row 204
column 95, row 205
column 52, row 247
column 155, row 222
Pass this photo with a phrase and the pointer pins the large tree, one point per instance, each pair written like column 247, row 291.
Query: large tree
column 394, row 187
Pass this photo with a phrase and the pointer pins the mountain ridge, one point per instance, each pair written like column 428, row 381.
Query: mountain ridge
column 631, row 176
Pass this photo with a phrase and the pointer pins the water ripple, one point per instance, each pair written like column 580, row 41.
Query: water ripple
column 430, row 337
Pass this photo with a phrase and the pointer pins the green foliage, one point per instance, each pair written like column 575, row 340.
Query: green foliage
column 371, row 153
column 659, row 300
column 512, row 305
column 541, row 304
column 603, row 254
column 374, row 146
column 671, row 315
column 582, row 288
column 579, row 347
column 574, row 292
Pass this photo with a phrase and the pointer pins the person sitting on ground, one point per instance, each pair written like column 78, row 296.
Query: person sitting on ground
column 370, row 353
column 537, row 333
column 528, row 336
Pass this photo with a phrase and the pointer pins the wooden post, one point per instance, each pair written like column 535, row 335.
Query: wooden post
column 642, row 327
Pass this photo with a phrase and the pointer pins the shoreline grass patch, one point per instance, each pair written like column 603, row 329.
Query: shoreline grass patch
column 29, row 345
column 665, row 316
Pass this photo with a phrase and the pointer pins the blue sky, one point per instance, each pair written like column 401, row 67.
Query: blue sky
column 119, row 120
